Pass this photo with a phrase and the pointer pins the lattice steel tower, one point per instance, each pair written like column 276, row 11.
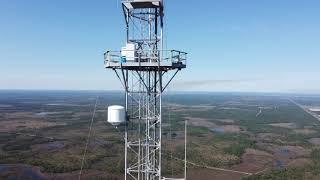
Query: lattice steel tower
column 140, row 66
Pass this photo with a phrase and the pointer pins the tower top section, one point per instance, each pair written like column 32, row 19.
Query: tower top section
column 137, row 4
column 144, row 47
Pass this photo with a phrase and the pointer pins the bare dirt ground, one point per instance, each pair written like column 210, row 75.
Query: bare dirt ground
column 202, row 122
column 55, row 145
column 284, row 155
column 229, row 108
column 17, row 115
column 208, row 174
column 304, row 131
column 16, row 125
column 315, row 141
column 182, row 108
column 24, row 120
column 86, row 175
column 79, row 114
column 227, row 121
column 299, row 162
column 266, row 137
column 289, row 151
column 232, row 103
column 284, row 125
column 230, row 128
column 253, row 161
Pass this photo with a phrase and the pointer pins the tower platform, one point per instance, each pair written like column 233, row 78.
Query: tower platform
column 137, row 4
column 172, row 60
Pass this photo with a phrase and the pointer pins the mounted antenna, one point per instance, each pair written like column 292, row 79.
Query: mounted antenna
column 116, row 115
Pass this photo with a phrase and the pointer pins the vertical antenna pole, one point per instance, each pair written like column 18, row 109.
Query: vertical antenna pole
column 161, row 30
column 139, row 158
column 126, row 127
column 127, row 26
column 185, row 149
column 125, row 149
column 160, row 120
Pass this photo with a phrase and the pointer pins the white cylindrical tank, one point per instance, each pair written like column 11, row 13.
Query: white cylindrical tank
column 116, row 115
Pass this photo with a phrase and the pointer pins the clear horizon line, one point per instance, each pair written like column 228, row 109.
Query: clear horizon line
column 171, row 91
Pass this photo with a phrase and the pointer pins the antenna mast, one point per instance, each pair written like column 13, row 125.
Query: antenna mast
column 140, row 66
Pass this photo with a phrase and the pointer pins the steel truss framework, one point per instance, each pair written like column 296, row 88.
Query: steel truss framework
column 144, row 86
column 143, row 92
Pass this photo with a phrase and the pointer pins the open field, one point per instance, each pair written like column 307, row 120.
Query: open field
column 250, row 136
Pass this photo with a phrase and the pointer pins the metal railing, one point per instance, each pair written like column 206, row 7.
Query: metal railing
column 173, row 56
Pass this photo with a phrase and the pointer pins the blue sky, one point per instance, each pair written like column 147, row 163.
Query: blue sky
column 233, row 45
